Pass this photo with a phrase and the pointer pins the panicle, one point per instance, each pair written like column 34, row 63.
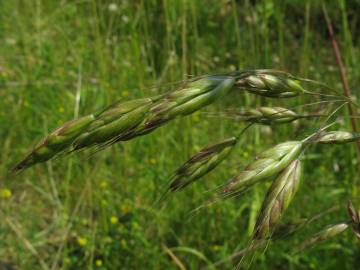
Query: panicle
column 126, row 120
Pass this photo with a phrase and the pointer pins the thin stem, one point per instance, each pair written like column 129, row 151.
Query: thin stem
column 243, row 130
column 338, row 94
column 227, row 114
column 343, row 78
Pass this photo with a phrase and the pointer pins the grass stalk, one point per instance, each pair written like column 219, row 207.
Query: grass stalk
column 344, row 81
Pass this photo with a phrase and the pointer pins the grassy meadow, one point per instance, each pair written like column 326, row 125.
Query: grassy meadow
column 63, row 59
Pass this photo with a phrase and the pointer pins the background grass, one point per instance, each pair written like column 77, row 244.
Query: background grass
column 61, row 59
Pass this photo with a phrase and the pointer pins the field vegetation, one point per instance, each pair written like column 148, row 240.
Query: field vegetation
column 137, row 203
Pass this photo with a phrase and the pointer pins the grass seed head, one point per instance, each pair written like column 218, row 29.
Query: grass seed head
column 268, row 164
column 54, row 143
column 270, row 83
column 201, row 163
column 269, row 115
column 326, row 234
column 195, row 88
column 126, row 120
column 116, row 128
column 116, row 110
column 196, row 95
column 278, row 199
column 355, row 219
column 221, row 85
column 337, row 137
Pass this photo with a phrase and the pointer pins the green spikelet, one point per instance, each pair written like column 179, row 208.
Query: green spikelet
column 113, row 128
column 269, row 115
column 278, row 199
column 56, row 142
column 201, row 163
column 326, row 234
column 125, row 120
column 337, row 137
column 116, row 110
column 222, row 88
column 268, row 164
column 355, row 219
column 194, row 97
column 270, row 83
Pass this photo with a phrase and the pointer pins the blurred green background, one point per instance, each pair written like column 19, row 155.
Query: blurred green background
column 61, row 59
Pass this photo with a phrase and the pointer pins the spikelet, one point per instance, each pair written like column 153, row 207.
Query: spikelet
column 56, row 142
column 113, row 122
column 337, row 137
column 268, row 164
column 201, row 163
column 270, row 83
column 269, row 115
column 278, row 199
column 195, row 96
column 355, row 219
column 326, row 234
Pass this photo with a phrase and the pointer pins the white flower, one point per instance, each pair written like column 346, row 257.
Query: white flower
column 113, row 7
column 125, row 19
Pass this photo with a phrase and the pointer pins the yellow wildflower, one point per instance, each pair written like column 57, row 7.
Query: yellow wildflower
column 114, row 220
column 81, row 241
column 152, row 161
column 4, row 74
column 125, row 93
column 216, row 247
column 103, row 184
column 5, row 193
column 98, row 262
